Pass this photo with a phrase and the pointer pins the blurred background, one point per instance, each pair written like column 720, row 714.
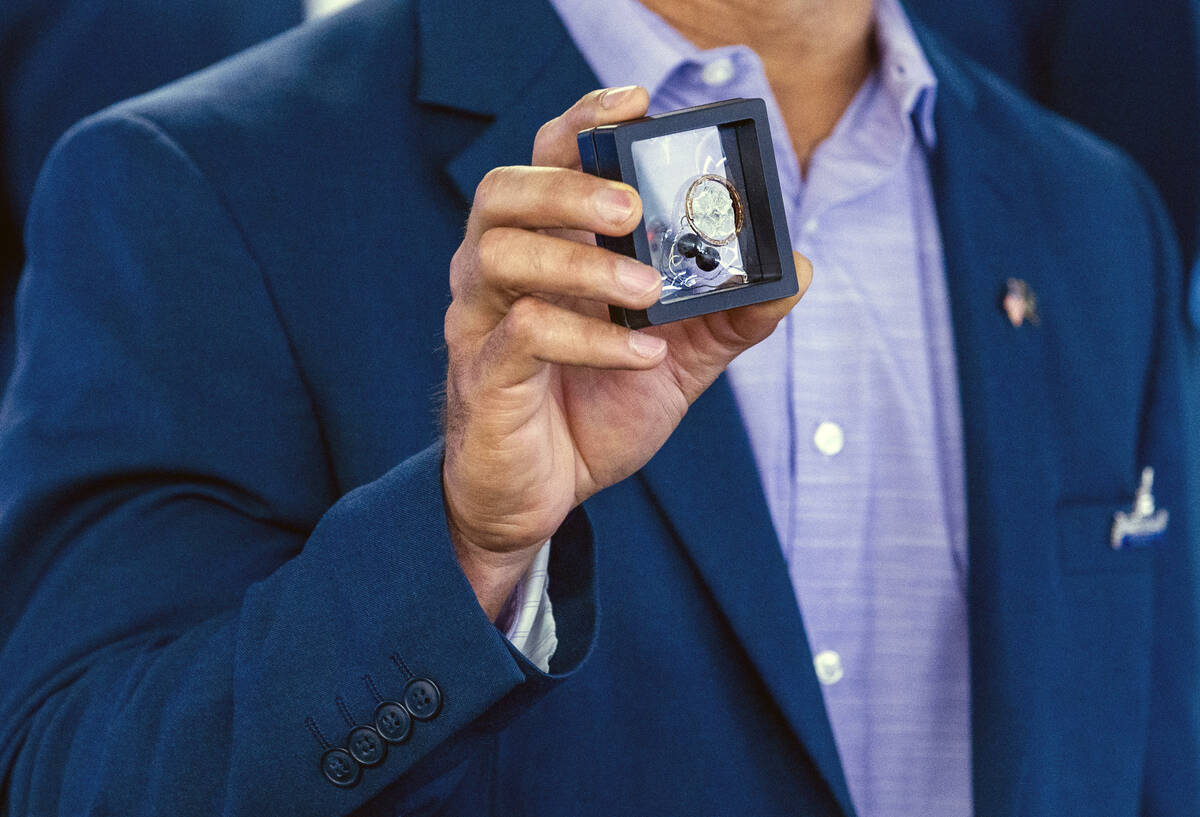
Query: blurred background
column 62, row 60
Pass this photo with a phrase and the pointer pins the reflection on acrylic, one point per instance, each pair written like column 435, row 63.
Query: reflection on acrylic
column 693, row 212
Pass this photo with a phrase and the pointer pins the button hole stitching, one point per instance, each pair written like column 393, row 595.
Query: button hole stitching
column 316, row 733
column 374, row 690
column 400, row 665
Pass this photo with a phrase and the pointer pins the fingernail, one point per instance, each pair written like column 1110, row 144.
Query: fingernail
column 616, row 97
column 637, row 279
column 615, row 204
column 646, row 345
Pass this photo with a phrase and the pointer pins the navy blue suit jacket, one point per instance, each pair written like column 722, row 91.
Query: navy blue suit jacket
column 64, row 59
column 1127, row 70
column 221, row 520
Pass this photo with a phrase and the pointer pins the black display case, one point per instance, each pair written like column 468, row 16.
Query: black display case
column 713, row 222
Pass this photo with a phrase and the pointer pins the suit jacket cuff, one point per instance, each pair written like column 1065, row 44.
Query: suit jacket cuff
column 388, row 601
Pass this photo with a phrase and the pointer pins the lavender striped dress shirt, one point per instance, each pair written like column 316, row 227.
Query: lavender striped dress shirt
column 851, row 405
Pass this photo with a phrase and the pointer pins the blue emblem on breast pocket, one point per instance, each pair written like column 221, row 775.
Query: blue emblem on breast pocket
column 1143, row 524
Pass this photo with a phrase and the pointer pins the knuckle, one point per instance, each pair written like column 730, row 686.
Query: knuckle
column 589, row 102
column 490, row 186
column 580, row 115
column 460, row 272
column 486, row 252
column 526, row 311
column 547, row 132
column 496, row 250
column 452, row 326
column 523, row 321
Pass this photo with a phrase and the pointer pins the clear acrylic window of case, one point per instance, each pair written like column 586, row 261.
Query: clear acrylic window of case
column 695, row 211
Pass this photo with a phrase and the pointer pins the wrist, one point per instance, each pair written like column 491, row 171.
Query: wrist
column 491, row 572
column 493, row 552
column 493, row 575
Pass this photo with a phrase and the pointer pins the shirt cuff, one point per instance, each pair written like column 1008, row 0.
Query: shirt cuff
column 530, row 615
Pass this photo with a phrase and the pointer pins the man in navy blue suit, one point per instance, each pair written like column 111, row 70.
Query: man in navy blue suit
column 316, row 503
column 64, row 60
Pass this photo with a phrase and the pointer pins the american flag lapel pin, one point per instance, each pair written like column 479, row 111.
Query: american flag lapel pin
column 1019, row 303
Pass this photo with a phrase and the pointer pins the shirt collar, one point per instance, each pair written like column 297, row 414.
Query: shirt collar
column 904, row 69
column 627, row 44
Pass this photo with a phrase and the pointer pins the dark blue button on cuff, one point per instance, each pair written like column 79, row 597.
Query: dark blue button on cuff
column 422, row 698
column 393, row 722
column 340, row 768
column 366, row 746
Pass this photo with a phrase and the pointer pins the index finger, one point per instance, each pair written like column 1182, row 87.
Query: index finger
column 555, row 144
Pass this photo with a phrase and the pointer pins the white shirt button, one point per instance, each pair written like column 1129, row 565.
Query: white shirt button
column 717, row 72
column 811, row 225
column 829, row 667
column 829, row 438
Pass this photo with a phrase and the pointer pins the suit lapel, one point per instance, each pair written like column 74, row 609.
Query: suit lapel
column 990, row 233
column 509, row 140
column 526, row 72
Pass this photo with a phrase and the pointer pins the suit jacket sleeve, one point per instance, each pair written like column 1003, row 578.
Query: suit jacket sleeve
column 1171, row 443
column 193, row 614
